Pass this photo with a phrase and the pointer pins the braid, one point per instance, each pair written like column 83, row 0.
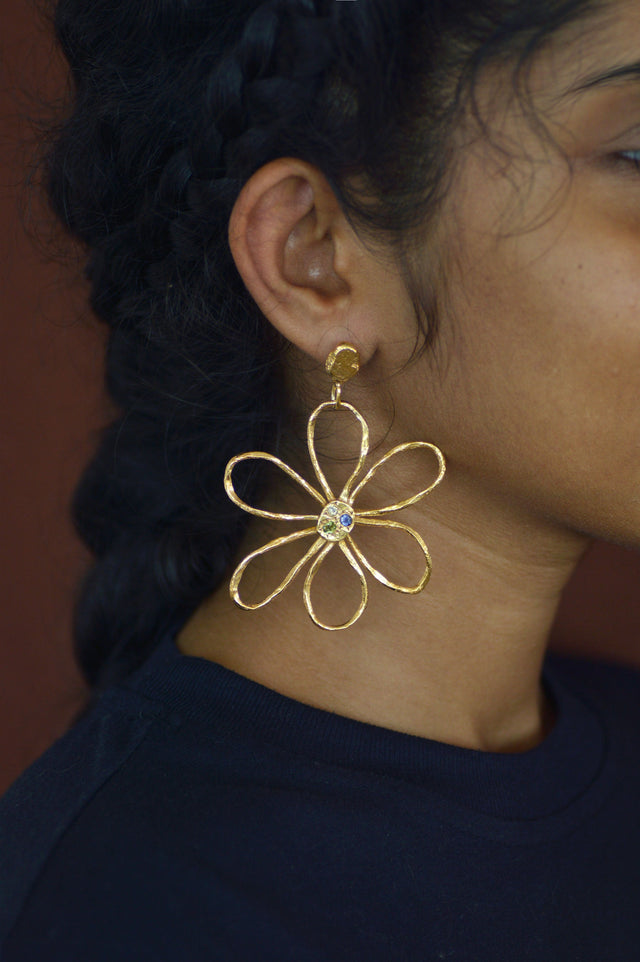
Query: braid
column 190, row 362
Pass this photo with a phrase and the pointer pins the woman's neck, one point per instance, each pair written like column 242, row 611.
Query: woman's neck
column 459, row 663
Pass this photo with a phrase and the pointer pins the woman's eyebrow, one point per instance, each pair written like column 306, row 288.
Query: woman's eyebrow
column 630, row 71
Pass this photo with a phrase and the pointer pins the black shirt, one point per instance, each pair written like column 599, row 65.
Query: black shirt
column 195, row 816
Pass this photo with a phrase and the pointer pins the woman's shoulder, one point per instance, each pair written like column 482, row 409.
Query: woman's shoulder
column 609, row 681
column 189, row 775
column 38, row 808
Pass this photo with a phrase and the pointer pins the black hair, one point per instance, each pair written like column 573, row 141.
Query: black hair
column 173, row 105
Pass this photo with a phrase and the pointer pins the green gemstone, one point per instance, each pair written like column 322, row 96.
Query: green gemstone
column 330, row 527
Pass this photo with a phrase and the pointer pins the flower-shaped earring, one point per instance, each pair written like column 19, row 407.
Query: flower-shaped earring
column 337, row 519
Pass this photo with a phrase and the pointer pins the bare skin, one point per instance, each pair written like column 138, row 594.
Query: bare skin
column 531, row 391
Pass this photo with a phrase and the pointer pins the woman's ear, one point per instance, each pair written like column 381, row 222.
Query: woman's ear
column 301, row 261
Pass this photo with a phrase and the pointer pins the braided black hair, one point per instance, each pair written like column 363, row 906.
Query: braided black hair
column 174, row 104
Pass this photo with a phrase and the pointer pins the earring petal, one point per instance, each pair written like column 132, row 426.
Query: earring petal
column 408, row 446
column 409, row 590
column 309, row 582
column 236, row 578
column 364, row 447
column 264, row 456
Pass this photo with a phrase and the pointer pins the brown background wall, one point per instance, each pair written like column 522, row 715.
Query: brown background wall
column 50, row 403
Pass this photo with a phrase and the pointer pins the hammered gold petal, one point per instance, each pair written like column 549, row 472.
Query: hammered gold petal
column 309, row 582
column 264, row 456
column 408, row 446
column 364, row 447
column 409, row 590
column 234, row 586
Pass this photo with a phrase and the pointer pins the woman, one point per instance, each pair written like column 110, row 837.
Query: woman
column 452, row 190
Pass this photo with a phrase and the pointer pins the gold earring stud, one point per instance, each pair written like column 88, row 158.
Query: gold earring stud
column 338, row 518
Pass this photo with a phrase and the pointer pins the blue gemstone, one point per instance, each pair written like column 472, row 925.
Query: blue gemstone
column 346, row 520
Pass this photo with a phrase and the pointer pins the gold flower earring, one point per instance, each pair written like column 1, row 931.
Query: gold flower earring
column 337, row 518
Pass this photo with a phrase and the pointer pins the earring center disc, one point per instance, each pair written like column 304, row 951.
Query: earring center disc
column 336, row 521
